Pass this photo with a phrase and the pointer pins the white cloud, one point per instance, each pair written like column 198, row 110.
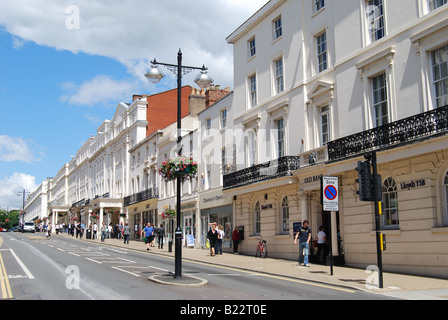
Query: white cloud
column 92, row 118
column 14, row 149
column 16, row 183
column 134, row 31
column 17, row 43
column 100, row 90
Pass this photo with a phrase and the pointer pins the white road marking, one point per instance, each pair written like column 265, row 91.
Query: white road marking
column 134, row 274
column 25, row 269
column 94, row 261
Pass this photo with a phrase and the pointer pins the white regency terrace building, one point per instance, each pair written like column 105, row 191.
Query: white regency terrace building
column 319, row 84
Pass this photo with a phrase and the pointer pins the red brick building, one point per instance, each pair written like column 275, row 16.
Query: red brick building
column 162, row 107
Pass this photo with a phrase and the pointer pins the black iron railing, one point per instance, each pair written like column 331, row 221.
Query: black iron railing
column 400, row 132
column 80, row 203
column 148, row 194
column 281, row 167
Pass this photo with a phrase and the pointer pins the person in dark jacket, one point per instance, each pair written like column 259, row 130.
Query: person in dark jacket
column 126, row 233
column 212, row 236
column 236, row 240
column 160, row 236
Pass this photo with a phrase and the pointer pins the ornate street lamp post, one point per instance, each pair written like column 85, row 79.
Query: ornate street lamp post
column 203, row 80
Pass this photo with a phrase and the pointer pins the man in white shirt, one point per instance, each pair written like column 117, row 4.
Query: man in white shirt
column 95, row 230
column 322, row 245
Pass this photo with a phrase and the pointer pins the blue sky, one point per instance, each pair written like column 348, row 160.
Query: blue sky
column 59, row 81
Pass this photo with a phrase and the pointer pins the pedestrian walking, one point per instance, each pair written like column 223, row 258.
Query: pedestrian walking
column 49, row 230
column 95, row 230
column 236, row 239
column 212, row 236
column 218, row 249
column 83, row 228
column 304, row 236
column 78, row 229
column 109, row 231
column 149, row 235
column 120, row 230
column 322, row 245
column 126, row 233
column 103, row 231
column 115, row 236
column 161, row 236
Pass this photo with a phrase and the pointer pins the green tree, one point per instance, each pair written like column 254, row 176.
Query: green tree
column 9, row 219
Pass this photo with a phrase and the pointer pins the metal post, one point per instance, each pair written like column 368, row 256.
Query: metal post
column 179, row 70
column 178, row 233
column 23, row 208
column 377, row 220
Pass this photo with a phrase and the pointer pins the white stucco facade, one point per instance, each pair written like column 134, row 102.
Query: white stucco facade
column 307, row 75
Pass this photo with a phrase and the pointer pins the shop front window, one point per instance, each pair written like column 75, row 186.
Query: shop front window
column 390, row 205
column 222, row 216
column 137, row 227
column 257, row 219
column 226, row 223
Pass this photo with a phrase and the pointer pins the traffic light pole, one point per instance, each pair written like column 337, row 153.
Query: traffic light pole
column 370, row 189
column 377, row 220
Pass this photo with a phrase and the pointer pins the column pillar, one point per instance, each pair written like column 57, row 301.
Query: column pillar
column 100, row 222
column 304, row 205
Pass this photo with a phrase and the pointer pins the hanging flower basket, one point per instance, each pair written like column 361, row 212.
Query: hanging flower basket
column 168, row 214
column 183, row 167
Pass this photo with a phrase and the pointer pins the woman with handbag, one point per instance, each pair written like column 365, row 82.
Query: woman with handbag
column 212, row 236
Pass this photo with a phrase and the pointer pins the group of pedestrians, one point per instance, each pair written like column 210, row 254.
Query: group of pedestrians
column 149, row 233
column 71, row 228
column 304, row 236
column 214, row 237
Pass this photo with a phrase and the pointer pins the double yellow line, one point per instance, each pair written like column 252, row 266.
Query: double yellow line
column 4, row 281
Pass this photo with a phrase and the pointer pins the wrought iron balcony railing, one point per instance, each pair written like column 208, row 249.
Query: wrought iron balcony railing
column 80, row 203
column 423, row 125
column 281, row 167
column 151, row 193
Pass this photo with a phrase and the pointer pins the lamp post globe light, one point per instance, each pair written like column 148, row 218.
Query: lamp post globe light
column 203, row 80
column 154, row 74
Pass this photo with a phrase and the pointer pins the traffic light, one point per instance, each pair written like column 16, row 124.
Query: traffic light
column 366, row 183
column 364, row 180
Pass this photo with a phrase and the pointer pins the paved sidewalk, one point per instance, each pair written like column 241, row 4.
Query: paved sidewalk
column 397, row 285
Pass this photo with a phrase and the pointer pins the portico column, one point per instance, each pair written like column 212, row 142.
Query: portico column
column 304, row 204
column 88, row 223
column 100, row 223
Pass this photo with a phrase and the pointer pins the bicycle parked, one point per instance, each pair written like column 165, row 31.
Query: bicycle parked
column 262, row 249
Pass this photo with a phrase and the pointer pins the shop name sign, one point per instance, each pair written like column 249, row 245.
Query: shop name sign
column 412, row 184
column 312, row 179
column 214, row 198
column 266, row 206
